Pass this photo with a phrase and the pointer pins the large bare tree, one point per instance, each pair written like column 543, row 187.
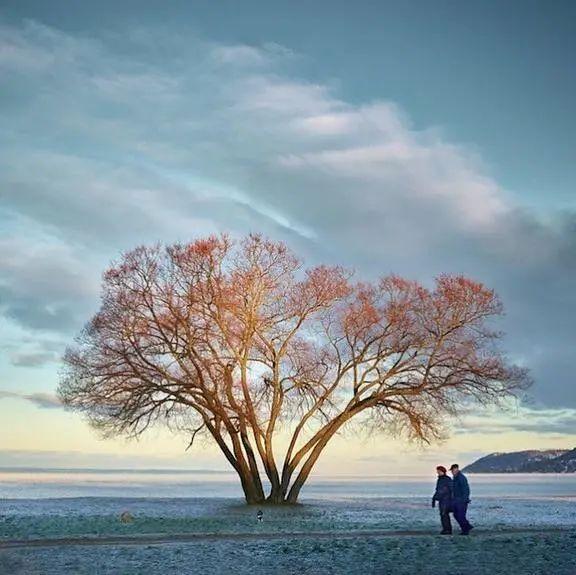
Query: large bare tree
column 237, row 340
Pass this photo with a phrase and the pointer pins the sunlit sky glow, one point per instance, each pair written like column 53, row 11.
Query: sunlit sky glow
column 409, row 137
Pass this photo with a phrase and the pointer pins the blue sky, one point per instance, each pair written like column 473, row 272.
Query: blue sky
column 414, row 137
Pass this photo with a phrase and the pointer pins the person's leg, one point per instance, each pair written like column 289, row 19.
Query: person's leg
column 460, row 509
column 465, row 511
column 445, row 520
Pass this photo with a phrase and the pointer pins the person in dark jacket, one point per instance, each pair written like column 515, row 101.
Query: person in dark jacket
column 461, row 498
column 443, row 495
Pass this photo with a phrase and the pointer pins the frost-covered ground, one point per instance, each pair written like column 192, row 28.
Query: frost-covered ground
column 349, row 537
column 75, row 517
column 549, row 554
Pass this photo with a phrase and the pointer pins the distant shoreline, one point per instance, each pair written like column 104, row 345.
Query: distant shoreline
column 519, row 472
column 541, row 461
column 147, row 470
column 232, row 474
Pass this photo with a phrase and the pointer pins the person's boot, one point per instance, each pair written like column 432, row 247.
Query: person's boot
column 445, row 532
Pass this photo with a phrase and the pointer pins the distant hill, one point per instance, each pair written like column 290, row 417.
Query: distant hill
column 532, row 461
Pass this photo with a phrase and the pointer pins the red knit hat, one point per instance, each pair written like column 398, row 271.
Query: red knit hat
column 441, row 468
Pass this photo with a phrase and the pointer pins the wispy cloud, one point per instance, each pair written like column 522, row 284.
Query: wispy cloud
column 32, row 359
column 43, row 400
column 44, row 283
column 114, row 141
column 521, row 419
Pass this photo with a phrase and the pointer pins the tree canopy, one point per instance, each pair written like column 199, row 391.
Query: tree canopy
column 239, row 341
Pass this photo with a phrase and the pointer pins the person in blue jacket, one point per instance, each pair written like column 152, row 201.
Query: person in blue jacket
column 443, row 495
column 461, row 498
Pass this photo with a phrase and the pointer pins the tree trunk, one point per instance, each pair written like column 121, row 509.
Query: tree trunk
column 315, row 454
column 249, row 476
column 277, row 496
column 253, row 492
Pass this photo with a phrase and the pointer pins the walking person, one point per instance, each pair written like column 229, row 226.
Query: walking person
column 443, row 495
column 461, row 498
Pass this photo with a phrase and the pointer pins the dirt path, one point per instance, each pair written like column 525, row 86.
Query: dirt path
column 163, row 539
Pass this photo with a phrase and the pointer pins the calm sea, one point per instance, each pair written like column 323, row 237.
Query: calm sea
column 21, row 483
